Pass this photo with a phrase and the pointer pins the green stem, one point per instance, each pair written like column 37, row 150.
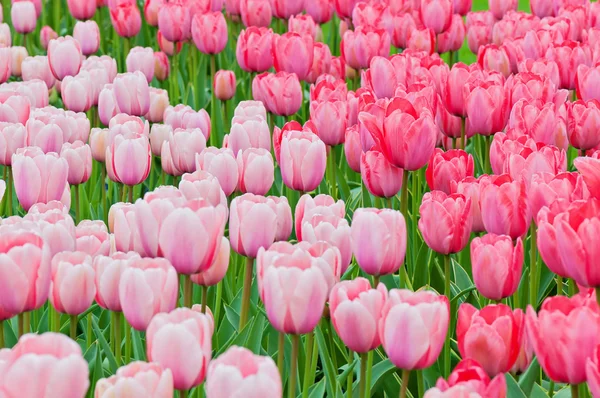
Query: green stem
column 173, row 77
column 9, row 191
column 246, row 292
column 104, row 201
column 226, row 120
column 213, row 101
column 573, row 289
column 280, row 352
column 127, row 342
column 463, row 141
column 126, row 47
column 420, row 384
column 89, row 330
column 598, row 295
column 488, row 143
column 405, row 375
column 404, row 195
column 574, row 390
column 362, row 386
column 1, row 334
column 26, row 322
column 293, row 366
column 73, row 333
column 308, row 349
column 375, row 281
column 57, row 16
column 204, row 298
column 118, row 317
column 131, row 194
column 350, row 380
column 329, row 326
column 20, row 324
column 218, row 301
column 183, row 393
column 533, row 265
column 390, row 205
column 369, row 370
column 76, row 204
column 187, row 291
column 112, row 331
column 559, row 285
column 551, row 389
column 447, row 294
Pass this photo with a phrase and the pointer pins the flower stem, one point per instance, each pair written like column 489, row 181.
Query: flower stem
column 118, row 317
column 89, row 330
column 559, row 285
column 1, row 334
column 420, row 384
column 183, row 393
column 598, row 295
column 463, row 143
column 204, row 298
column 574, row 390
column 280, row 352
column 127, row 343
column 76, row 204
column 131, row 193
column 350, row 380
column 447, row 262
column 293, row 366
column 308, row 362
column 331, row 175
column 246, row 292
column 213, row 101
column 9, row 191
column 104, row 201
column 73, row 327
column 362, row 386
column 533, row 267
column 219, row 294
column 187, row 291
column 405, row 374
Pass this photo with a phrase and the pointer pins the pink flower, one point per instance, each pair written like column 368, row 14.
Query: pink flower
column 209, row 32
column 446, row 168
column 253, row 50
column 302, row 160
column 93, row 238
column 252, row 224
column 174, row 21
column 249, row 132
column 381, row 178
column 361, row 45
column 132, row 93
column 217, row 270
column 149, row 379
column 323, row 225
column 129, row 159
column 72, row 290
column 141, row 59
column 505, row 208
column 108, row 271
column 293, row 53
column 255, row 170
column 64, row 57
column 222, row 164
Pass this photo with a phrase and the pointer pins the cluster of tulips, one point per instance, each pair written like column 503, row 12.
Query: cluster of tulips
column 246, row 198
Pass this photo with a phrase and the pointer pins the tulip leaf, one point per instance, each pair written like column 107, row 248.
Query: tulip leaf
column 10, row 338
column 528, row 378
column 537, row 392
column 98, row 372
column 564, row 393
column 105, row 347
column 380, row 371
column 139, row 352
column 512, row 388
column 333, row 388
column 256, row 334
column 317, row 390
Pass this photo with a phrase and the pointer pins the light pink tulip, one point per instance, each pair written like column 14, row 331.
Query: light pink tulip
column 48, row 137
column 222, row 164
column 159, row 101
column 141, row 59
column 159, row 133
column 184, row 144
column 250, row 108
column 249, row 132
column 302, row 172
column 108, row 271
column 308, row 205
column 146, row 379
column 209, row 32
column 93, row 238
column 73, row 289
column 252, row 224
column 55, row 225
column 79, row 158
column 174, row 21
column 132, row 93
column 77, row 92
column 82, row 9
column 14, row 108
column 23, row 17
column 88, row 36
column 5, row 64
column 181, row 342
column 504, row 206
column 202, row 185
column 183, row 116
column 256, row 171
column 12, row 137
column 129, row 159
column 46, row 34
column 326, row 226
column 217, row 270
column 147, row 287
column 64, row 57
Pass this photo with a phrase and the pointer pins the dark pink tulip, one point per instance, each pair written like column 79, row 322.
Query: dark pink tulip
column 344, row 8
column 501, row 7
column 321, row 11
column 361, row 45
column 453, row 38
column 64, row 57
column 534, row 88
column 174, row 21
column 422, row 40
column 494, row 58
column 126, row 19
column 505, row 206
column 209, row 32
column 293, row 53
column 462, row 7
column 46, row 34
column 526, row 163
column 381, row 178
column 545, row 125
column 447, row 167
column 253, row 51
column 321, row 62
column 547, row 188
column 541, row 8
column 232, row 7
column 502, row 146
column 330, row 118
column 284, row 9
column 304, row 24
column 281, row 92
column 352, row 148
column 586, row 82
column 371, row 14
column 436, row 14
column 582, row 119
column 569, row 56
column 256, row 13
column 486, row 108
column 402, row 24
column 23, row 17
column 470, row 188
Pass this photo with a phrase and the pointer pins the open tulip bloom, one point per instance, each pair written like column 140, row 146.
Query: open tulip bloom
column 316, row 198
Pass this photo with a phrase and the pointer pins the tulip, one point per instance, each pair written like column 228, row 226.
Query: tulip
column 183, row 116
column 361, row 45
column 209, row 32
column 159, row 101
column 174, row 21
column 148, row 286
column 232, row 7
column 238, row 371
column 564, row 328
column 132, row 93
column 108, row 271
column 494, row 58
column 46, row 34
column 147, row 379
column 218, row 268
column 293, row 53
column 288, row 310
column 453, row 38
column 321, row 11
column 256, row 13
column 330, row 120
column 344, row 8
column 547, row 187
column 77, row 92
column 23, row 16
column 501, row 7
column 582, row 116
column 251, row 224
column 107, row 104
column 504, row 206
column 73, row 289
column 5, row 64
column 328, row 227
column 12, row 137
column 285, row 9
column 250, row 108
column 255, row 170
column 304, row 173
column 93, row 238
column 469, row 376
column 161, row 66
column 26, row 280
column 159, row 134
column 45, row 357
column 181, row 342
column 544, row 125
column 281, row 92
column 352, row 148
column 585, row 82
column 447, row 167
column 202, row 185
column 410, row 316
column 126, row 19
column 253, row 50
column 224, row 85
column 591, row 373
column 88, row 36
column 352, row 303
column 14, row 108
column 64, row 57
column 437, row 14
column 249, row 132
column 166, row 46
column 454, row 211
column 321, row 62
column 141, row 59
column 303, row 24
column 525, row 164
column 82, row 9
column 128, row 126
column 79, row 159
column 222, row 164
column 184, row 145
column 129, row 159
column 486, row 108
column 307, row 206
column 569, row 56
column 38, row 177
column 55, row 225
column 381, row 178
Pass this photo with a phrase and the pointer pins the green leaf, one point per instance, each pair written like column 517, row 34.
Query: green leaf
column 256, row 334
column 138, row 346
column 98, row 372
column 380, row 371
column 317, row 390
column 331, row 383
column 513, row 389
column 528, row 378
column 538, row 392
column 105, row 347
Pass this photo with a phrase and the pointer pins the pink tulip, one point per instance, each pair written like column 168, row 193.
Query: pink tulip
column 128, row 126
column 321, row 11
column 183, row 116
column 330, row 120
column 55, row 225
column 326, row 226
column 352, row 148
column 12, row 137
column 82, row 9
column 232, row 7
column 504, row 206
column 494, row 58
column 14, row 108
column 306, row 172
column 161, row 66
column 564, row 328
column 64, row 57
column 321, row 62
column 23, row 16
column 420, row 317
column 46, row 34
column 108, row 271
column 151, row 9
column 141, row 59
column 569, row 55
column 582, row 117
column 293, row 53
column 545, row 125
column 126, row 19
column 77, row 92
column 501, row 7
column 5, row 64
column 586, row 80
column 147, row 286
column 45, row 358
column 224, row 85
column 252, row 224
column 281, row 92
column 159, row 101
column 462, row 7
column 79, row 159
column 147, row 379
column 293, row 287
column 381, row 178
column 454, row 212
column 129, row 159
column 38, row 177
column 526, row 350
column 447, row 167
column 285, row 9
column 526, row 164
column 255, row 170
column 308, row 205
column 303, row 24
column 88, row 36
column 592, row 374
column 209, row 32
column 253, row 50
column 222, row 164
column 26, row 274
column 93, row 238
column 361, row 45
column 250, row 108
column 174, row 21
column 502, row 146
column 249, row 132
column 159, row 133
column 486, row 108
column 589, row 167
column 422, row 40
column 132, row 93
column 166, row 46
column 202, row 185
column 355, row 311
column 184, row 145
column 369, row 246
column 467, row 378
column 437, row 14
column 216, row 272
column 344, row 8
column 72, row 290
column 453, row 38
column 542, row 8
column 256, row 13
column 547, row 187
column 239, row 371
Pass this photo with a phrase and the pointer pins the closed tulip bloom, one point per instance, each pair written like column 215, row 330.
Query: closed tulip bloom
column 250, row 108
column 126, row 19
column 88, row 36
column 26, row 270
column 281, row 92
column 546, row 243
column 586, row 80
column 147, row 287
column 321, row 62
column 330, row 118
column 494, row 58
column 93, row 238
column 361, row 45
column 159, row 133
column 462, row 7
column 565, row 328
column 45, row 358
column 82, row 9
column 285, row 9
column 141, row 59
column 129, row 159
column 209, row 32
column 497, row 264
column 505, row 207
column 249, row 132
column 470, row 377
column 422, row 40
column 161, row 66
column 320, row 11
column 202, row 185
column 64, row 57
column 344, row 8
column 303, row 24
column 38, row 177
column 146, row 379
column 56, row 226
column 174, row 21
column 487, row 109
column 582, row 117
column 79, row 158
column 12, row 137
column 547, row 187
column 381, row 178
column 493, row 329
column 352, row 148
column 132, row 93
column 453, row 38
column 107, row 104
column 421, row 318
column 5, row 64
column 478, row 34
column 437, row 14
column 252, row 224
column 501, row 7
column 239, row 371
column 184, row 145
column 293, row 53
column 14, row 108
column 255, row 170
column 592, row 374
column 77, row 92
column 302, row 172
column 73, row 288
column 183, row 116
column 222, row 164
column 46, row 34
column 151, row 9
column 447, row 167
column 543, row 124
column 159, row 101
column 296, row 306
column 308, row 205
column 355, row 311
column 128, row 126
column 23, row 16
column 256, row 13
column 224, row 85
column 589, row 167
column 217, row 270
column 108, row 271
column 328, row 227
column 569, row 55
column 253, row 50
column 166, row 46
